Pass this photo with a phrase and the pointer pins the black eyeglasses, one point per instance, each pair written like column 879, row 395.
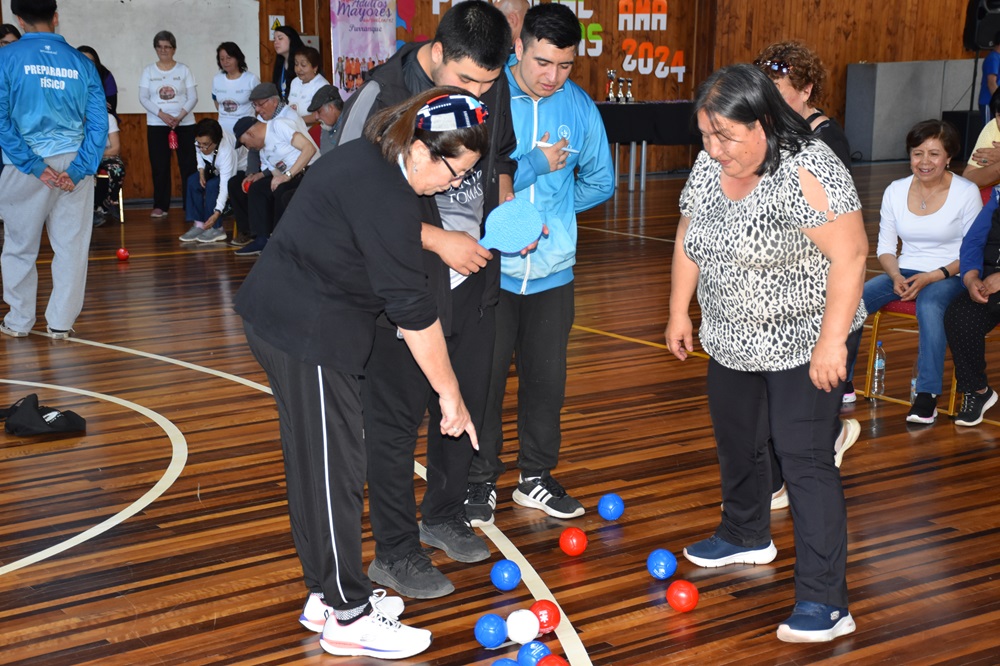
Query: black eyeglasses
column 779, row 66
column 455, row 175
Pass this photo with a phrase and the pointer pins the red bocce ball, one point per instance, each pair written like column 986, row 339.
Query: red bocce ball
column 682, row 596
column 573, row 541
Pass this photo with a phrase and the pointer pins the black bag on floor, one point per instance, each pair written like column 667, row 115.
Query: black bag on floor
column 26, row 417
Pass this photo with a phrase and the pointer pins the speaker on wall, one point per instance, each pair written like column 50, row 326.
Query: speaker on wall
column 982, row 25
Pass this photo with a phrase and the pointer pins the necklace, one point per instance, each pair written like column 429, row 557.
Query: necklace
column 925, row 197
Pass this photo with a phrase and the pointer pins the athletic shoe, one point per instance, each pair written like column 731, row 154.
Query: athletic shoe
column 100, row 217
column 974, row 406
column 240, row 239
column 456, row 539
column 849, row 394
column 252, row 249
column 480, row 503
column 191, row 234
column 315, row 612
column 924, row 409
column 212, row 235
column 717, row 552
column 813, row 622
column 374, row 635
column 850, row 430
column 412, row 575
column 543, row 492
column 12, row 333
column 779, row 498
column 157, row 212
column 57, row 334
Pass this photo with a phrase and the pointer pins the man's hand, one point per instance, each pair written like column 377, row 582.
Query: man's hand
column 278, row 179
column 554, row 153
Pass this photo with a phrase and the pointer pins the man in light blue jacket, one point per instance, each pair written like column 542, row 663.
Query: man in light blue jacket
column 53, row 129
column 563, row 167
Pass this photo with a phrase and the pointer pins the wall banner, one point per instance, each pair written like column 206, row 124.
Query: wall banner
column 364, row 35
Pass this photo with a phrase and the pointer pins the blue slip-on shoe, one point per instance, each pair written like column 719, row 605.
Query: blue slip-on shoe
column 813, row 622
column 717, row 552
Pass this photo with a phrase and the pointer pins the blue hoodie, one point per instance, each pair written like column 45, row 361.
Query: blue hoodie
column 567, row 113
column 51, row 103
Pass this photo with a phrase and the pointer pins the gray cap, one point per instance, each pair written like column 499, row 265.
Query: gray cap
column 263, row 91
column 324, row 95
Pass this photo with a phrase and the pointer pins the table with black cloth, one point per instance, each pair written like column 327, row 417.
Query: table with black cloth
column 666, row 123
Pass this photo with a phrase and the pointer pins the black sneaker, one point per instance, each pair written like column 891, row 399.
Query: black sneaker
column 974, row 405
column 924, row 409
column 480, row 503
column 252, row 249
column 543, row 492
column 412, row 576
column 456, row 539
column 849, row 394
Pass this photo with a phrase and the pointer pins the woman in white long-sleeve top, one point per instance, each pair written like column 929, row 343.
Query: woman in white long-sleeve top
column 168, row 93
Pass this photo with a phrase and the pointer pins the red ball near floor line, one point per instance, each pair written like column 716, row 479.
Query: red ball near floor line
column 548, row 615
column 682, row 596
column 573, row 541
column 122, row 254
column 553, row 660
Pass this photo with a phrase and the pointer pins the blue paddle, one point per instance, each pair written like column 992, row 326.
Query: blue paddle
column 512, row 226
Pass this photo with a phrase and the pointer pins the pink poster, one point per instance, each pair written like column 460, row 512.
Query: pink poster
column 364, row 36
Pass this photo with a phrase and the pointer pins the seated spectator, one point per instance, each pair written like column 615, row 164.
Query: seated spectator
column 983, row 168
column 929, row 212
column 106, row 189
column 285, row 154
column 232, row 86
column 308, row 79
column 8, row 34
column 327, row 105
column 975, row 313
column 107, row 79
column 219, row 161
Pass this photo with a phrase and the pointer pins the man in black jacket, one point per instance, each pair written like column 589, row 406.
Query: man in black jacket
column 469, row 50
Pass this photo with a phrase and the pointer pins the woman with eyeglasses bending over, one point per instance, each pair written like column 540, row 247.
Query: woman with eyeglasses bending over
column 800, row 77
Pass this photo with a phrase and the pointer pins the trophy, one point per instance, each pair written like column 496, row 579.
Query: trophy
column 621, row 90
column 628, row 92
column 610, row 96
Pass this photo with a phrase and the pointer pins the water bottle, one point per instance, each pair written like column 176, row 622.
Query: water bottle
column 913, row 384
column 878, row 370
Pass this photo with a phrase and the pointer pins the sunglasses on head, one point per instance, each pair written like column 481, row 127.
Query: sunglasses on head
column 779, row 66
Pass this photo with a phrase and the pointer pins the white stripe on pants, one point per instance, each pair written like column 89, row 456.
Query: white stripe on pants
column 27, row 206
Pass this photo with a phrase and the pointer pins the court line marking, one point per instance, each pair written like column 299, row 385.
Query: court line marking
column 178, row 458
column 571, row 643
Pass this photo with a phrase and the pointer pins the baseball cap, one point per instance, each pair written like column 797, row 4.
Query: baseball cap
column 263, row 91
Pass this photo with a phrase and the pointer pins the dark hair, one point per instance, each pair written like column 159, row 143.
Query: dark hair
column 553, row 22
column 995, row 102
column 804, row 67
column 742, row 94
column 281, row 63
column 475, row 30
column 934, row 129
column 233, row 51
column 209, row 127
column 395, row 129
column 8, row 29
column 34, row 11
column 102, row 71
column 312, row 55
column 164, row 36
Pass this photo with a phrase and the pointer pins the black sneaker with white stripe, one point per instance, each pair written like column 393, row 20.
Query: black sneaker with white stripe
column 546, row 494
column 480, row 503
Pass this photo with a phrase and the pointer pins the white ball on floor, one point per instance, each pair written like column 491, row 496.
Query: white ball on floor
column 522, row 626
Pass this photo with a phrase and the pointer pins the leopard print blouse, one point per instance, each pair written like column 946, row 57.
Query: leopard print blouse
column 762, row 282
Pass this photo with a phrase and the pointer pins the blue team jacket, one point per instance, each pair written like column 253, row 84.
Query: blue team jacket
column 51, row 103
column 559, row 195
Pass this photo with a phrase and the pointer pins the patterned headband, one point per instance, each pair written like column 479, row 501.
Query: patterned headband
column 451, row 112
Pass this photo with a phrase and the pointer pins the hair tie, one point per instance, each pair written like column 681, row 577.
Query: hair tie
column 451, row 112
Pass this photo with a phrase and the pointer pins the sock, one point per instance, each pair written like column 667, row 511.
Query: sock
column 350, row 616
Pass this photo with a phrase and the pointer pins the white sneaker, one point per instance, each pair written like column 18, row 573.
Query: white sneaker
column 374, row 635
column 315, row 613
column 850, row 430
column 779, row 498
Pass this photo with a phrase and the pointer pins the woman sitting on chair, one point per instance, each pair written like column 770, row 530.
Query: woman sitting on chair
column 929, row 212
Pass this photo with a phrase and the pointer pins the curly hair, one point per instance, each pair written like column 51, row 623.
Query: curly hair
column 804, row 67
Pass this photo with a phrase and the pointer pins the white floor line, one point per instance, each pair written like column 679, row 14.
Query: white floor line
column 575, row 651
column 178, row 459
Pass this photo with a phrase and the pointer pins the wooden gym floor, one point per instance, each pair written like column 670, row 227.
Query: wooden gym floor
column 161, row 537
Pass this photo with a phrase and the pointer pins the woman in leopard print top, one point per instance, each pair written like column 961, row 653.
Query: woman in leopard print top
column 772, row 239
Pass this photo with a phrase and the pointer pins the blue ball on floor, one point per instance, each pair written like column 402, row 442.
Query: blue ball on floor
column 611, row 507
column 532, row 653
column 504, row 662
column 491, row 631
column 505, row 575
column 661, row 564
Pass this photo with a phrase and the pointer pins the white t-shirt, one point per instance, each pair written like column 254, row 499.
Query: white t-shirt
column 929, row 241
column 278, row 152
column 233, row 97
column 169, row 91
column 227, row 160
column 301, row 94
